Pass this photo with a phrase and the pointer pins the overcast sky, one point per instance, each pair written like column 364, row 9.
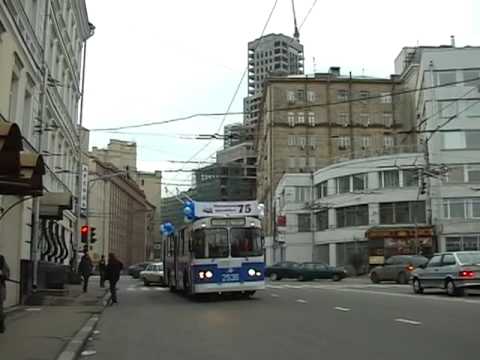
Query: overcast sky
column 152, row 60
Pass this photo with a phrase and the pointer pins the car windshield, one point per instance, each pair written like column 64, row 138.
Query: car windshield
column 471, row 258
column 418, row 260
column 210, row 243
column 245, row 242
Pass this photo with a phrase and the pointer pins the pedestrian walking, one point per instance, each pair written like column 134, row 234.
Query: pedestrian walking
column 114, row 267
column 85, row 270
column 4, row 275
column 102, row 267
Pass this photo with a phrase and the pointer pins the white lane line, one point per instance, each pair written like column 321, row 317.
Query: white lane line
column 275, row 286
column 341, row 308
column 274, row 295
column 33, row 309
column 409, row 322
column 301, row 301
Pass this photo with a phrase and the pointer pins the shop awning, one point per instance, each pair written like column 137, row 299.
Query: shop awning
column 21, row 173
column 52, row 204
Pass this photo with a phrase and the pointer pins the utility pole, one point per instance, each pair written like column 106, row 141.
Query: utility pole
column 36, row 233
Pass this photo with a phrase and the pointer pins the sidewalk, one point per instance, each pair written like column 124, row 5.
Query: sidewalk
column 42, row 332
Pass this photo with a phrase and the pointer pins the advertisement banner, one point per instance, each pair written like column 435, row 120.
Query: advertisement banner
column 227, row 208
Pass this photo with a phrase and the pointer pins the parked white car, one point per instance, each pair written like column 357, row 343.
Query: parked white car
column 153, row 274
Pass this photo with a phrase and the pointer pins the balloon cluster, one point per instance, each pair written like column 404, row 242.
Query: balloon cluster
column 189, row 210
column 167, row 229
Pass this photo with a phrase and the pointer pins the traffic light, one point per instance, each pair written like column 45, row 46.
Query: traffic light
column 84, row 233
column 92, row 235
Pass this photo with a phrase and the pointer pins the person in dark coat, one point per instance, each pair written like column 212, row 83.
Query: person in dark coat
column 102, row 267
column 113, row 271
column 4, row 275
column 85, row 270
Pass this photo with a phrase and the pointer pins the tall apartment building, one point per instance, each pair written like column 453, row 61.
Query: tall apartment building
column 450, row 114
column 25, row 43
column 233, row 134
column 309, row 122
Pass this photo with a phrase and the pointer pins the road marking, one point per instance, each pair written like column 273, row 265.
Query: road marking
column 410, row 322
column 301, row 301
column 341, row 308
column 274, row 295
column 275, row 286
column 33, row 309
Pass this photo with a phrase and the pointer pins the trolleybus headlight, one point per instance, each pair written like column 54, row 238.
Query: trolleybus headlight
column 258, row 273
column 201, row 275
column 208, row 274
column 251, row 272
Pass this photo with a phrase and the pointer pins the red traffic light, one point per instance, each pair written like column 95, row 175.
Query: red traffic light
column 84, row 230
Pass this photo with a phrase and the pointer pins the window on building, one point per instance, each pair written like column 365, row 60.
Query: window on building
column 291, row 140
column 456, row 174
column 365, row 142
column 313, row 140
column 352, row 216
column 360, row 182
column 461, row 208
column 343, row 184
column 473, row 173
column 13, row 98
column 27, row 111
column 304, row 223
column 322, row 189
column 301, row 95
column 311, row 96
column 386, row 98
column 301, row 118
column 321, row 219
column 454, row 140
column 389, row 178
column 387, row 119
column 364, row 94
column 388, row 141
column 291, row 119
column 291, row 162
column 343, row 142
column 472, row 139
column 311, row 118
column 342, row 95
column 312, row 162
column 291, row 96
column 446, row 77
column 470, row 242
column 301, row 140
column 342, row 119
column 448, row 108
column 471, row 78
column 302, row 162
column 302, row 194
column 404, row 212
column 365, row 119
column 410, row 177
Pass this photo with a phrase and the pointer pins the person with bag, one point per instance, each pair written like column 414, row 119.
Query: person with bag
column 113, row 270
column 4, row 275
column 85, row 270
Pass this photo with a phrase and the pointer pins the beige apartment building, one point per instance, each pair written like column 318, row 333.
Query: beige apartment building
column 308, row 122
column 120, row 213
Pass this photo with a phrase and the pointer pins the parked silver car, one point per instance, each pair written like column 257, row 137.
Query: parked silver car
column 397, row 268
column 152, row 274
column 452, row 271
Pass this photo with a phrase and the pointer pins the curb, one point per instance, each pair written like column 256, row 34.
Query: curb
column 13, row 310
column 75, row 345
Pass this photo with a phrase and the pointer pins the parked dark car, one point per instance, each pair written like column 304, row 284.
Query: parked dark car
column 134, row 270
column 283, row 270
column 312, row 271
column 397, row 268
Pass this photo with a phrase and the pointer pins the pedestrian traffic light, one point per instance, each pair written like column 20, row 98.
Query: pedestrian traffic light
column 84, row 233
column 92, row 235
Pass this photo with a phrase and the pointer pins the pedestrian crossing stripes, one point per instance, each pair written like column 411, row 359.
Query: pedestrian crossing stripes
column 146, row 288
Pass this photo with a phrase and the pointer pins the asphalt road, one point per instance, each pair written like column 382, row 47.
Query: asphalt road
column 290, row 320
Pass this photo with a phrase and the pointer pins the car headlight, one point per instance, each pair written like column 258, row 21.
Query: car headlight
column 208, row 274
column 251, row 272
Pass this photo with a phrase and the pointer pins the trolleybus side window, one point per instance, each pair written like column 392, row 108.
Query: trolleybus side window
column 246, row 242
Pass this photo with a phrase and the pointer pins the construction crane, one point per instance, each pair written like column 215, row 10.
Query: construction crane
column 296, row 33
